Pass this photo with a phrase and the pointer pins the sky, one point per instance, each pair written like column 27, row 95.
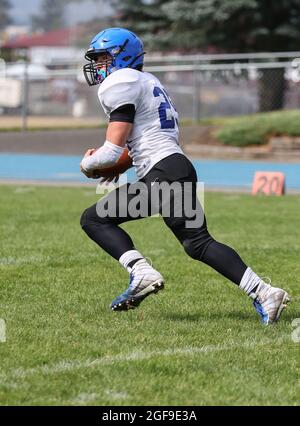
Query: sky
column 21, row 10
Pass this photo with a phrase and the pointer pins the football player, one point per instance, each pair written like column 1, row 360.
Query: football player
column 143, row 119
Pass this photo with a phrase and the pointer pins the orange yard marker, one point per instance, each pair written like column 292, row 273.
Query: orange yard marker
column 268, row 183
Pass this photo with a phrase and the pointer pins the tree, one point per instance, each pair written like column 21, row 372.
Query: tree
column 245, row 26
column 5, row 19
column 240, row 25
column 232, row 26
column 51, row 16
column 146, row 19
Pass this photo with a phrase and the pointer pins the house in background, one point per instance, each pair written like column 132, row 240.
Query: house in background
column 50, row 65
column 50, row 49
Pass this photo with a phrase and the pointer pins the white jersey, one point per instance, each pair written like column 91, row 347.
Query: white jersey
column 155, row 133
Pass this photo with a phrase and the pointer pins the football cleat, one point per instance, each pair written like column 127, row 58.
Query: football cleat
column 269, row 302
column 144, row 280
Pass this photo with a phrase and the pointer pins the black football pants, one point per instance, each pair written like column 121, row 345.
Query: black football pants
column 101, row 221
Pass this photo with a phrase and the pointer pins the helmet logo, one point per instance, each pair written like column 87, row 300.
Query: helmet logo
column 116, row 51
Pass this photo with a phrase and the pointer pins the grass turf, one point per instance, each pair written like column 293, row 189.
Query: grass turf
column 199, row 342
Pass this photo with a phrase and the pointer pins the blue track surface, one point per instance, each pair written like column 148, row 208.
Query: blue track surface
column 217, row 173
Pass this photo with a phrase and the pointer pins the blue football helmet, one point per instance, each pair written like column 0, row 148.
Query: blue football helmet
column 123, row 49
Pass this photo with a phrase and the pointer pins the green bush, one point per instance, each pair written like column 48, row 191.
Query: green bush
column 257, row 129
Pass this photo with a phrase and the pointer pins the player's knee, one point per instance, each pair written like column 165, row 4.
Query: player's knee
column 190, row 248
column 196, row 246
column 89, row 217
column 84, row 219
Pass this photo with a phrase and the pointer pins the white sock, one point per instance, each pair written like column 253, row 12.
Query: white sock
column 250, row 281
column 128, row 257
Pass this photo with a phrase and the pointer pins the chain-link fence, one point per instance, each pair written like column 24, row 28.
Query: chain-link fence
column 200, row 86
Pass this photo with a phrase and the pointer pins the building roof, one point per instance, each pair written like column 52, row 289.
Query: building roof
column 57, row 38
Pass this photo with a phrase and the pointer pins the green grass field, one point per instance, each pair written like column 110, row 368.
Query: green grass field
column 199, row 342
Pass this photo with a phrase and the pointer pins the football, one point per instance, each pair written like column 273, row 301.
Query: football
column 124, row 163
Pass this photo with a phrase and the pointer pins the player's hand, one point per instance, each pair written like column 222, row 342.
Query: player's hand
column 89, row 152
column 108, row 180
column 90, row 173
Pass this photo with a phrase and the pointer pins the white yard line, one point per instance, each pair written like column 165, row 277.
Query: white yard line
column 66, row 365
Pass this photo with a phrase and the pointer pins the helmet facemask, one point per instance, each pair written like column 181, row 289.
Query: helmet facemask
column 97, row 70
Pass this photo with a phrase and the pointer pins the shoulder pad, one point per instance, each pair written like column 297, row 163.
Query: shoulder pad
column 126, row 75
column 120, row 88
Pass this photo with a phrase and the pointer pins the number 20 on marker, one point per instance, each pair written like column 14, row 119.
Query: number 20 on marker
column 268, row 183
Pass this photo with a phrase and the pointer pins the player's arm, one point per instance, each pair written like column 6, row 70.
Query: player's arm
column 118, row 131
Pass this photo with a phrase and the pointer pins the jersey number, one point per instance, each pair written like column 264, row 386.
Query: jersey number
column 162, row 109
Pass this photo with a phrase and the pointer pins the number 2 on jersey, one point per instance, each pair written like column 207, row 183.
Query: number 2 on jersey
column 162, row 109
